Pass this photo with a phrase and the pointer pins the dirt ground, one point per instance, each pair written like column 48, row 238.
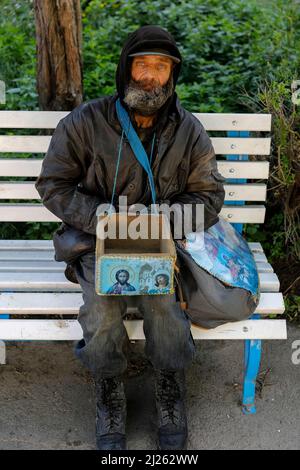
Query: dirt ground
column 47, row 398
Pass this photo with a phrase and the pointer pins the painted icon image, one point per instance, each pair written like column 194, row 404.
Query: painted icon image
column 134, row 276
column 161, row 283
column 122, row 285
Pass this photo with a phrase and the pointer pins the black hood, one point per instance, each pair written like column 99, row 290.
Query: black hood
column 146, row 37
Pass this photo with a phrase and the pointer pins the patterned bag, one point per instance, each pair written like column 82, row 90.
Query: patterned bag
column 218, row 275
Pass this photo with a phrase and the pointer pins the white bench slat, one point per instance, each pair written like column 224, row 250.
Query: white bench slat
column 269, row 282
column 235, row 122
column 222, row 145
column 38, row 213
column 244, row 169
column 229, row 169
column 36, row 281
column 24, row 143
column 28, row 255
column 233, row 192
column 260, row 257
column 68, row 303
column 31, row 119
column 264, row 267
column 254, row 246
column 56, row 281
column 27, row 303
column 46, row 245
column 62, row 330
column 241, row 145
column 37, row 264
column 47, row 254
column 26, row 245
column 211, row 121
column 31, row 266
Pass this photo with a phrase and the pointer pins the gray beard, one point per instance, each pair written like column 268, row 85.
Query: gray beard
column 147, row 103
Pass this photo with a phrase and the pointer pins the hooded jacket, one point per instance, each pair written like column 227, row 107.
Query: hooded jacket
column 78, row 169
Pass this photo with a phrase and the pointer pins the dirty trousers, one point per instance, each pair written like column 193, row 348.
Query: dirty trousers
column 169, row 343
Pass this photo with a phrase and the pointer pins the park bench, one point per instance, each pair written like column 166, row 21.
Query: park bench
column 33, row 284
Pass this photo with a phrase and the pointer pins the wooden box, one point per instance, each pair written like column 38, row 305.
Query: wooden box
column 135, row 266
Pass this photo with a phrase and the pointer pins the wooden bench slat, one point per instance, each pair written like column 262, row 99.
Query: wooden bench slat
column 211, row 121
column 31, row 167
column 233, row 192
column 38, row 213
column 222, row 145
column 56, row 281
column 68, row 303
column 62, row 330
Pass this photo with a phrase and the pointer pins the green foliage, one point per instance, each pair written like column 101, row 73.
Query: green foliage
column 225, row 45
column 18, row 54
column 283, row 221
column 292, row 305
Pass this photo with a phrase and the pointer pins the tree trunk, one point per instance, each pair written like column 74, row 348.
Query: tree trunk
column 59, row 54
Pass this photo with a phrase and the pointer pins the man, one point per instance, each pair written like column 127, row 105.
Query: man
column 78, row 174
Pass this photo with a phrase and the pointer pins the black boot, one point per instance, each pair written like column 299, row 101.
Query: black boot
column 111, row 414
column 172, row 422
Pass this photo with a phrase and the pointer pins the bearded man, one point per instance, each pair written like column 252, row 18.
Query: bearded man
column 78, row 175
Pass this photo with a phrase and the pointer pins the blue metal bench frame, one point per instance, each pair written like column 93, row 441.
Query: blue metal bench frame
column 252, row 348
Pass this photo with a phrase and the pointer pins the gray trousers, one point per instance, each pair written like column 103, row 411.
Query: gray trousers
column 169, row 343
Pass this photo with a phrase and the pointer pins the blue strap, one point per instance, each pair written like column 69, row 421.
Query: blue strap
column 116, row 173
column 136, row 145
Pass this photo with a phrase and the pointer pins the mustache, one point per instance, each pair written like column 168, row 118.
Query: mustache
column 141, row 84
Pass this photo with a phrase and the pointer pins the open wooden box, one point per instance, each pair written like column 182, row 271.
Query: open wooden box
column 129, row 266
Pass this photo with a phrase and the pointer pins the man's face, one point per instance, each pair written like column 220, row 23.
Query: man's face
column 151, row 70
column 161, row 280
column 151, row 84
column 122, row 278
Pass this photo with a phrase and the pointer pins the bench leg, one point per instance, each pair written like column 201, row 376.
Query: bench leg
column 252, row 364
column 2, row 353
column 2, row 343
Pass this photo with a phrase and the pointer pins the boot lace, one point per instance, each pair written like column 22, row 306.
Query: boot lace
column 168, row 394
column 113, row 400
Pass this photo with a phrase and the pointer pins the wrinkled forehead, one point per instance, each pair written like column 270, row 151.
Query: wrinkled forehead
column 152, row 58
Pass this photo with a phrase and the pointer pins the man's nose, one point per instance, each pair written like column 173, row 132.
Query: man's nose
column 151, row 74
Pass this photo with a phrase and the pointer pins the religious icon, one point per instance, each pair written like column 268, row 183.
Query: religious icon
column 122, row 285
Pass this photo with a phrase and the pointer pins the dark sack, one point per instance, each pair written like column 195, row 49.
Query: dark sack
column 218, row 275
column 210, row 302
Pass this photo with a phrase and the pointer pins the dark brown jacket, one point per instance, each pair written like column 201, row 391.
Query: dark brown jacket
column 79, row 167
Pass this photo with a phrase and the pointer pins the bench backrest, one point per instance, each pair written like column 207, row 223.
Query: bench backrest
column 244, row 200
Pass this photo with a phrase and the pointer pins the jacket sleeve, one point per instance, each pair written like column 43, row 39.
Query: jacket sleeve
column 63, row 167
column 204, row 184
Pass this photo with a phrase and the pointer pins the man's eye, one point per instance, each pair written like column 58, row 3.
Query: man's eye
column 161, row 66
